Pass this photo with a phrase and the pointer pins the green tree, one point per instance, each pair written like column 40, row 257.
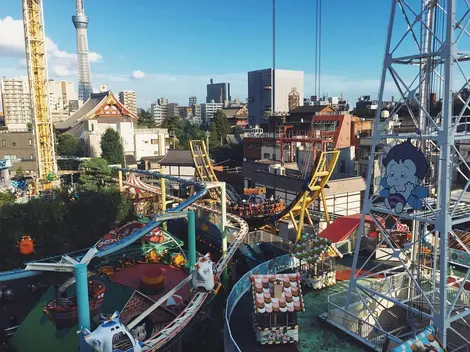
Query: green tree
column 220, row 128
column 237, row 130
column 59, row 225
column 6, row 197
column 146, row 120
column 95, row 175
column 111, row 147
column 183, row 130
column 68, row 145
column 19, row 171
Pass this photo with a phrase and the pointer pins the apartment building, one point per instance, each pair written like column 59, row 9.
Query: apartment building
column 128, row 98
column 16, row 101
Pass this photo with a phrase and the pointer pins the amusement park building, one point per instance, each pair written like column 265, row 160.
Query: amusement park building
column 19, row 148
column 102, row 111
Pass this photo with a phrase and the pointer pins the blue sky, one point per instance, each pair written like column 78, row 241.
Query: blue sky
column 180, row 44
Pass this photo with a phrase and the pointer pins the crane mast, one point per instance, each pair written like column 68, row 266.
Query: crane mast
column 33, row 19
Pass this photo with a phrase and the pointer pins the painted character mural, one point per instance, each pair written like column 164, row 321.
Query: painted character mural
column 405, row 168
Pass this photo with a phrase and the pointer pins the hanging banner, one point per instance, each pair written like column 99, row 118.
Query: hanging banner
column 253, row 191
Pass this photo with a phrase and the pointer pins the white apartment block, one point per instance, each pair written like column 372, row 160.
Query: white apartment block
column 208, row 110
column 159, row 111
column 150, row 142
column 63, row 99
column 259, row 92
column 128, row 98
column 60, row 94
column 16, row 102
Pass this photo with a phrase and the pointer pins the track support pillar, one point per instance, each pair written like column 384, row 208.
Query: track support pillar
column 83, row 306
column 192, row 239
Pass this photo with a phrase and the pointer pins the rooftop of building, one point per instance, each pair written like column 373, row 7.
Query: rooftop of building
column 103, row 106
column 177, row 157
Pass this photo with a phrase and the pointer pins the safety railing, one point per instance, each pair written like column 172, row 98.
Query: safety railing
column 273, row 266
column 365, row 332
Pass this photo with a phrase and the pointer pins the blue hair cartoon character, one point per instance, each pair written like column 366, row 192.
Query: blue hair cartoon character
column 405, row 168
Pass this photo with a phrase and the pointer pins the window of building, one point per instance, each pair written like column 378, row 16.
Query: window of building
column 266, row 156
column 154, row 141
column 4, row 143
column 30, row 142
column 31, row 156
column 13, row 144
column 342, row 166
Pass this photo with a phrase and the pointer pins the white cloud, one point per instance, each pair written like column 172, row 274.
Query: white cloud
column 137, row 75
column 61, row 63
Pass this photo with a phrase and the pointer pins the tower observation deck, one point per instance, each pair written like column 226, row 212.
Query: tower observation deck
column 80, row 21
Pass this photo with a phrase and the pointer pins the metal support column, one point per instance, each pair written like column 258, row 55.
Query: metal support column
column 192, row 239
column 81, row 287
column 223, row 215
column 119, row 180
column 163, row 199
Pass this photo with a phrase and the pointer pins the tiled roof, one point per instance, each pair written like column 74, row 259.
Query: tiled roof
column 90, row 104
column 177, row 157
column 290, row 299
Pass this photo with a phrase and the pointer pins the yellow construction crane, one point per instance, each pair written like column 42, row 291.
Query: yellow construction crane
column 33, row 19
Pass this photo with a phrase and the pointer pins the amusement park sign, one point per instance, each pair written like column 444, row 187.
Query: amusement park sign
column 252, row 191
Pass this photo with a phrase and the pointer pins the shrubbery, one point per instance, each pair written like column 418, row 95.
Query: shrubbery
column 60, row 225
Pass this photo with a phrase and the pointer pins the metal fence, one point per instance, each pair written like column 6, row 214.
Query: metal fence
column 273, row 266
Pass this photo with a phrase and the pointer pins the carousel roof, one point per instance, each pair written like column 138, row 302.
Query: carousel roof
column 290, row 284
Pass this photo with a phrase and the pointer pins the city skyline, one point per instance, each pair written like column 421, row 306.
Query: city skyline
column 133, row 64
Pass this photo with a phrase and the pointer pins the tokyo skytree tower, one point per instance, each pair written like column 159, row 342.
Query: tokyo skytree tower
column 80, row 22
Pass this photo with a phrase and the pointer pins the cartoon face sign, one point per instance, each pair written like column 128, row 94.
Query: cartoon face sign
column 405, row 168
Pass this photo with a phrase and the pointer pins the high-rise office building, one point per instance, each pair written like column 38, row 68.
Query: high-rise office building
column 259, row 92
column 218, row 93
column 192, row 100
column 16, row 101
column 128, row 98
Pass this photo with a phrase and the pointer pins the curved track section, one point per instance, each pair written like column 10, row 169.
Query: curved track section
column 165, row 335
column 313, row 189
column 205, row 171
column 202, row 163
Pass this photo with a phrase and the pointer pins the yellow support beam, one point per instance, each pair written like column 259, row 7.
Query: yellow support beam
column 33, row 20
column 203, row 165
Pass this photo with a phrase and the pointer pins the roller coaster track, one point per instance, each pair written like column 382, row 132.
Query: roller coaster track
column 314, row 188
column 164, row 336
column 205, row 171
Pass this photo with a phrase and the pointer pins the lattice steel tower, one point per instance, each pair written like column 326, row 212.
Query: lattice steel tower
column 80, row 21
column 426, row 61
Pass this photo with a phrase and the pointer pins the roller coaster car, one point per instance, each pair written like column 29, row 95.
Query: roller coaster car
column 204, row 277
column 62, row 312
column 111, row 336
